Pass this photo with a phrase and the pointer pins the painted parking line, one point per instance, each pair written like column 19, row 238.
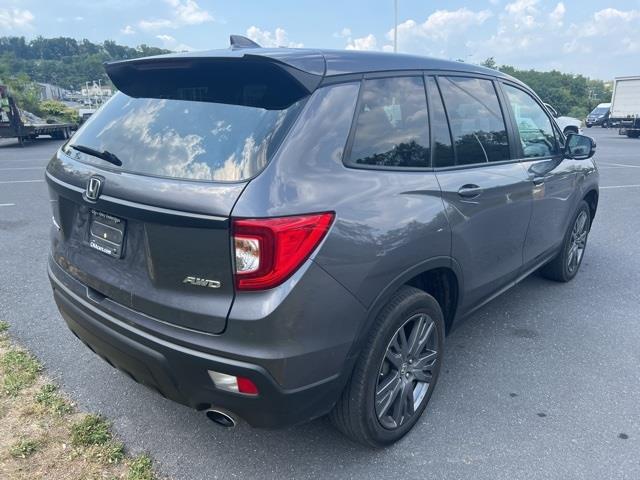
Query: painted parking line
column 618, row 165
column 7, row 204
column 22, row 181
column 22, row 168
column 620, row 186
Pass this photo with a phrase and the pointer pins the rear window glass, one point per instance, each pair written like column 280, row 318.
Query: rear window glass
column 185, row 139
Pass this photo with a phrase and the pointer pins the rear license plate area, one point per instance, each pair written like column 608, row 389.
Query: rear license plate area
column 106, row 233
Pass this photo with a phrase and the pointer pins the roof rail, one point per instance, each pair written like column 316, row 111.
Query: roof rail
column 238, row 42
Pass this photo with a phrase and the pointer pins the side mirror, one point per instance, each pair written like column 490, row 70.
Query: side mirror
column 579, row 147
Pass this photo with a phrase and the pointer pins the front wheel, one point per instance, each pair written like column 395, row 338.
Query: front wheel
column 566, row 264
column 396, row 373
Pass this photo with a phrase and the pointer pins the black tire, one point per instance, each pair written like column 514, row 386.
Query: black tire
column 564, row 267
column 355, row 413
column 633, row 134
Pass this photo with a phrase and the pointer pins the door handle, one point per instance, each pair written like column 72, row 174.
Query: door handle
column 538, row 181
column 469, row 191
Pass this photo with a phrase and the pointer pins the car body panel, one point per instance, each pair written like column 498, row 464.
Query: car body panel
column 297, row 341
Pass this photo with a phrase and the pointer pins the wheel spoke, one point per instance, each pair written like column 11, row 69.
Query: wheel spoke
column 403, row 342
column 386, row 395
column 426, row 361
column 394, row 359
column 422, row 376
column 415, row 335
column 407, row 399
column 426, row 335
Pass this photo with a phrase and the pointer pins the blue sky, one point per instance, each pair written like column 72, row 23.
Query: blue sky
column 599, row 38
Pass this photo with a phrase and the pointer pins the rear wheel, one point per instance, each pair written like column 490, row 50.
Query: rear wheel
column 396, row 373
column 566, row 264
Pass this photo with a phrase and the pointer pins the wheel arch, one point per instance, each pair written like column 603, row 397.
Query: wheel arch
column 441, row 277
column 591, row 197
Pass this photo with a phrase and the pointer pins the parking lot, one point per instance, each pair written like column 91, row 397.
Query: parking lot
column 544, row 382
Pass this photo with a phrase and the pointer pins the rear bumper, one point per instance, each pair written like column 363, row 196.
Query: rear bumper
column 179, row 372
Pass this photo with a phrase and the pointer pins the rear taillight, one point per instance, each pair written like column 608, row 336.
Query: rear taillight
column 270, row 250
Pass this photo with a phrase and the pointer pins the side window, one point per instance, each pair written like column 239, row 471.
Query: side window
column 392, row 125
column 441, row 137
column 534, row 126
column 477, row 124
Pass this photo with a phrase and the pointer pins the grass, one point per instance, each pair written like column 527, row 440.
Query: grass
column 91, row 430
column 23, row 448
column 141, row 468
column 21, row 370
column 43, row 435
column 49, row 399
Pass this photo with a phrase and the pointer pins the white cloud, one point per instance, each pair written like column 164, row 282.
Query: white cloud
column 128, row 30
column 363, row 43
column 344, row 33
column 188, row 12
column 440, row 25
column 557, row 15
column 265, row 38
column 184, row 12
column 170, row 43
column 15, row 18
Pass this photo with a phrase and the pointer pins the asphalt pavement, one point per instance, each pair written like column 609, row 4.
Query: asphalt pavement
column 543, row 382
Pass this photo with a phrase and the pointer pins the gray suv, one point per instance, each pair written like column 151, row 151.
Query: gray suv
column 280, row 234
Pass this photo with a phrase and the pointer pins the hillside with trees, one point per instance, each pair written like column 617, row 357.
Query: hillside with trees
column 63, row 61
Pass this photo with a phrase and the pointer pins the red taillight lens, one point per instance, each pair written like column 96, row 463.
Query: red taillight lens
column 246, row 386
column 270, row 250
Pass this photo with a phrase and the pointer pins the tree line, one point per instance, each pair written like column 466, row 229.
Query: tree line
column 64, row 61
column 569, row 94
column 69, row 63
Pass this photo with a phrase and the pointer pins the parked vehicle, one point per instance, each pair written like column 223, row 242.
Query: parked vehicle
column 280, row 234
column 13, row 125
column 567, row 124
column 625, row 105
column 599, row 116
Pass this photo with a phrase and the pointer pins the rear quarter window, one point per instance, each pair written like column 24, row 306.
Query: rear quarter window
column 392, row 124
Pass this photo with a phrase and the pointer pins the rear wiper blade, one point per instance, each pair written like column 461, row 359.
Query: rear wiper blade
column 104, row 155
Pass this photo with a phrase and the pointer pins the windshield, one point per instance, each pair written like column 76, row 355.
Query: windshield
column 185, row 139
column 600, row 110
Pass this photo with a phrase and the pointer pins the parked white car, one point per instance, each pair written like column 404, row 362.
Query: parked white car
column 566, row 124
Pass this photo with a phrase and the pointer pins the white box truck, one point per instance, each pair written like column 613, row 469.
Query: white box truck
column 625, row 106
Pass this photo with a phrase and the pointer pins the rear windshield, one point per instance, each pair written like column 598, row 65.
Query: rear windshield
column 185, row 139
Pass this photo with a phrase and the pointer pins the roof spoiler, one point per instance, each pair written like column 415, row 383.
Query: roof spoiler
column 266, row 78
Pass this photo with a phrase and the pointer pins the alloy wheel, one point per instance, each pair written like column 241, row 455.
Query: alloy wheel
column 407, row 371
column 577, row 242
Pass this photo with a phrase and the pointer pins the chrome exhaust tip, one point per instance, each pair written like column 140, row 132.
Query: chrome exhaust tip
column 221, row 418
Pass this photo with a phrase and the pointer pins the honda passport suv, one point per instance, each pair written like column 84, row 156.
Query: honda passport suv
column 279, row 234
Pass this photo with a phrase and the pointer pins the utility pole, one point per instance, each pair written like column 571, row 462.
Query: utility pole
column 395, row 26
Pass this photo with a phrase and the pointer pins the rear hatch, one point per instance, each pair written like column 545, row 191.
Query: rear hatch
column 145, row 189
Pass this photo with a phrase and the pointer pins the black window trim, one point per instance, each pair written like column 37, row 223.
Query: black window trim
column 504, row 107
column 346, row 152
column 514, row 125
column 506, row 116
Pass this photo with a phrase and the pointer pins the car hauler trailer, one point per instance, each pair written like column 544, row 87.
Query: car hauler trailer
column 13, row 126
column 625, row 106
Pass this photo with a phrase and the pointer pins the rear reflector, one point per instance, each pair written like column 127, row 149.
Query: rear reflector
column 231, row 383
column 270, row 250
